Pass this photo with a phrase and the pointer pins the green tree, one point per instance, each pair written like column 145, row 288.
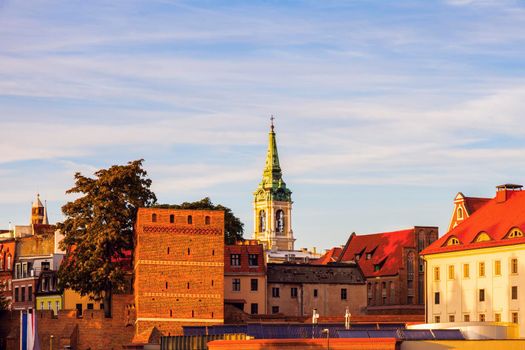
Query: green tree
column 233, row 227
column 98, row 229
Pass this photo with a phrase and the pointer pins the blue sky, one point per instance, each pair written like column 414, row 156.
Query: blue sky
column 384, row 109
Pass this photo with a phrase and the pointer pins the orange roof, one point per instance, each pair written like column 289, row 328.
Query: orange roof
column 496, row 218
column 472, row 204
column 329, row 257
column 386, row 249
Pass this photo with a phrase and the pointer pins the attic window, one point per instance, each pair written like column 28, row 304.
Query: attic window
column 482, row 237
column 453, row 241
column 368, row 256
column 460, row 213
column 379, row 265
column 515, row 233
column 357, row 256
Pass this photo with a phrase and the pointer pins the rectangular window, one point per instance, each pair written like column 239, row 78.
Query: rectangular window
column 18, row 271
column 49, row 305
column 293, row 292
column 451, row 272
column 466, row 318
column 436, row 273
column 41, row 305
column 514, row 266
column 481, row 269
column 315, row 293
column 253, row 259
column 481, row 317
column 16, row 295
column 23, row 296
column 236, row 285
column 497, row 317
column 343, row 293
column 437, row 319
column 79, row 310
column 497, row 268
column 90, row 306
column 30, row 293
column 451, row 318
column 254, row 309
column 466, row 270
column 515, row 317
column 254, row 284
column 235, row 260
column 275, row 309
column 436, row 298
column 57, row 306
column 514, row 292
column 275, row 292
column 482, row 295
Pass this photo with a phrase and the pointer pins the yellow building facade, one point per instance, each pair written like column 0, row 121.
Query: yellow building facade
column 476, row 272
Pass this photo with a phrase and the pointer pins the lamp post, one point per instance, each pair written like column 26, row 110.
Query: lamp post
column 315, row 316
column 327, row 331
column 347, row 318
column 51, row 342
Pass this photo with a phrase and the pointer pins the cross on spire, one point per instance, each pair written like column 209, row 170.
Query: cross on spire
column 271, row 121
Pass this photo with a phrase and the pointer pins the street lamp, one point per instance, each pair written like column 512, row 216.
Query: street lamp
column 315, row 316
column 327, row 331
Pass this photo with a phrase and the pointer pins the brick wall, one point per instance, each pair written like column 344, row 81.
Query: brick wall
column 179, row 262
column 92, row 331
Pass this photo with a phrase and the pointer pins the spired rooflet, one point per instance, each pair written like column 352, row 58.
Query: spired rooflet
column 499, row 222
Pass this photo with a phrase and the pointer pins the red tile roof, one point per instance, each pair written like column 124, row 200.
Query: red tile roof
column 329, row 257
column 494, row 217
column 386, row 248
column 472, row 204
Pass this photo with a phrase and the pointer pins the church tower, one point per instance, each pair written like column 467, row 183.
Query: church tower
column 273, row 203
column 38, row 212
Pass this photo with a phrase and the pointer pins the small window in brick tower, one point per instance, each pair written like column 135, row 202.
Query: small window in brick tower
column 172, row 219
column 190, row 219
column 154, row 217
column 207, row 220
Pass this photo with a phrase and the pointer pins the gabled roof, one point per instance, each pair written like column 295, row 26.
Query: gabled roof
column 496, row 218
column 386, row 245
column 330, row 256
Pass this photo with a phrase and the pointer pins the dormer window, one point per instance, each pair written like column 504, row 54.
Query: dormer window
column 368, row 256
column 515, row 233
column 357, row 257
column 453, row 241
column 482, row 237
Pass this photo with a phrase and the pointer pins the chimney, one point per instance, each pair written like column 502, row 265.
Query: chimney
column 503, row 191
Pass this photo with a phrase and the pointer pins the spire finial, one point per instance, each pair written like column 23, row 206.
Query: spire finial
column 271, row 121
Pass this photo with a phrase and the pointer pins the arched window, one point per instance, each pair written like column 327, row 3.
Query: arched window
column 154, row 217
column 453, row 241
column 460, row 213
column 190, row 220
column 207, row 220
column 410, row 263
column 482, row 237
column 262, row 221
column 172, row 219
column 515, row 233
column 279, row 221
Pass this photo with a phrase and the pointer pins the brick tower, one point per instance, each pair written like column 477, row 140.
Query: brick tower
column 179, row 269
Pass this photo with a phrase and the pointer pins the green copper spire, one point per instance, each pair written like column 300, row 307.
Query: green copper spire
column 272, row 179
